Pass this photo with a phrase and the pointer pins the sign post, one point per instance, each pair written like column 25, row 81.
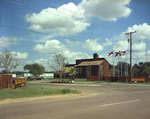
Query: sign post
column 19, row 82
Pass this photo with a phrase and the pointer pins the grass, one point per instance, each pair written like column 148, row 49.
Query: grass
column 80, row 80
column 83, row 80
column 38, row 81
column 48, row 79
column 34, row 91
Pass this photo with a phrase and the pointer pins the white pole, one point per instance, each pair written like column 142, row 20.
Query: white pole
column 113, row 63
column 127, row 64
column 121, row 66
column 118, row 66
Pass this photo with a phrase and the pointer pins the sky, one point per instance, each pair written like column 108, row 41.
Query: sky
column 36, row 30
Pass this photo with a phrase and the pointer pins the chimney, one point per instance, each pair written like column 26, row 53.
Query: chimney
column 95, row 56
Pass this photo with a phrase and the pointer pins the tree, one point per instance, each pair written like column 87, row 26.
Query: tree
column 142, row 66
column 134, row 71
column 8, row 61
column 35, row 69
column 72, row 72
column 57, row 62
column 4, row 72
column 147, row 71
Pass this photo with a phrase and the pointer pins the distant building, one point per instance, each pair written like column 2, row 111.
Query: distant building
column 48, row 75
column 13, row 75
column 89, row 67
column 26, row 74
column 45, row 75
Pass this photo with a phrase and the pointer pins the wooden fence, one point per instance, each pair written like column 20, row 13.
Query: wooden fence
column 108, row 78
column 5, row 81
column 117, row 79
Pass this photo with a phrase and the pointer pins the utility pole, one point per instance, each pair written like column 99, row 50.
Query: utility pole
column 130, row 40
column 146, row 52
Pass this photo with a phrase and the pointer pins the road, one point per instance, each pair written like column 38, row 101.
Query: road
column 108, row 101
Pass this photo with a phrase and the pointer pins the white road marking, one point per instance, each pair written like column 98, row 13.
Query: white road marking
column 120, row 103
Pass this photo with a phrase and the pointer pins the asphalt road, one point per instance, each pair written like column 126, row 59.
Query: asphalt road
column 108, row 101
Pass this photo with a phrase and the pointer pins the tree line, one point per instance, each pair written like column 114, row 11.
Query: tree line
column 124, row 69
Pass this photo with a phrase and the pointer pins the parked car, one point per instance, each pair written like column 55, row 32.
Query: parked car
column 34, row 78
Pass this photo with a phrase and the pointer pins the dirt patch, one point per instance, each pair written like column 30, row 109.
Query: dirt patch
column 42, row 98
column 60, row 82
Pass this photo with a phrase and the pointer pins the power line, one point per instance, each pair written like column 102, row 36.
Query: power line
column 75, row 12
column 38, row 32
column 61, row 8
column 58, row 13
column 21, row 4
column 51, row 35
column 40, row 9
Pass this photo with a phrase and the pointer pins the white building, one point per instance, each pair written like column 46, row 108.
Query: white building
column 45, row 75
column 26, row 74
column 13, row 75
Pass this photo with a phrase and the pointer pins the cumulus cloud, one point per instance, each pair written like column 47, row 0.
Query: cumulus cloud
column 72, row 44
column 8, row 41
column 20, row 55
column 142, row 31
column 107, row 10
column 40, row 61
column 29, row 62
column 64, row 20
column 138, row 48
column 70, row 19
column 122, row 45
column 92, row 45
column 108, row 42
column 72, row 56
column 52, row 47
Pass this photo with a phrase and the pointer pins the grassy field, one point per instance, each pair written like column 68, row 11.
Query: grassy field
column 30, row 91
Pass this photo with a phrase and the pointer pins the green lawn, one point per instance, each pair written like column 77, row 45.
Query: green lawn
column 33, row 91
column 84, row 80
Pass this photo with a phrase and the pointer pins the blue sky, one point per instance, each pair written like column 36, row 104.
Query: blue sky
column 36, row 30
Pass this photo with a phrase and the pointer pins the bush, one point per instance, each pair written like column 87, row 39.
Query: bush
column 66, row 91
